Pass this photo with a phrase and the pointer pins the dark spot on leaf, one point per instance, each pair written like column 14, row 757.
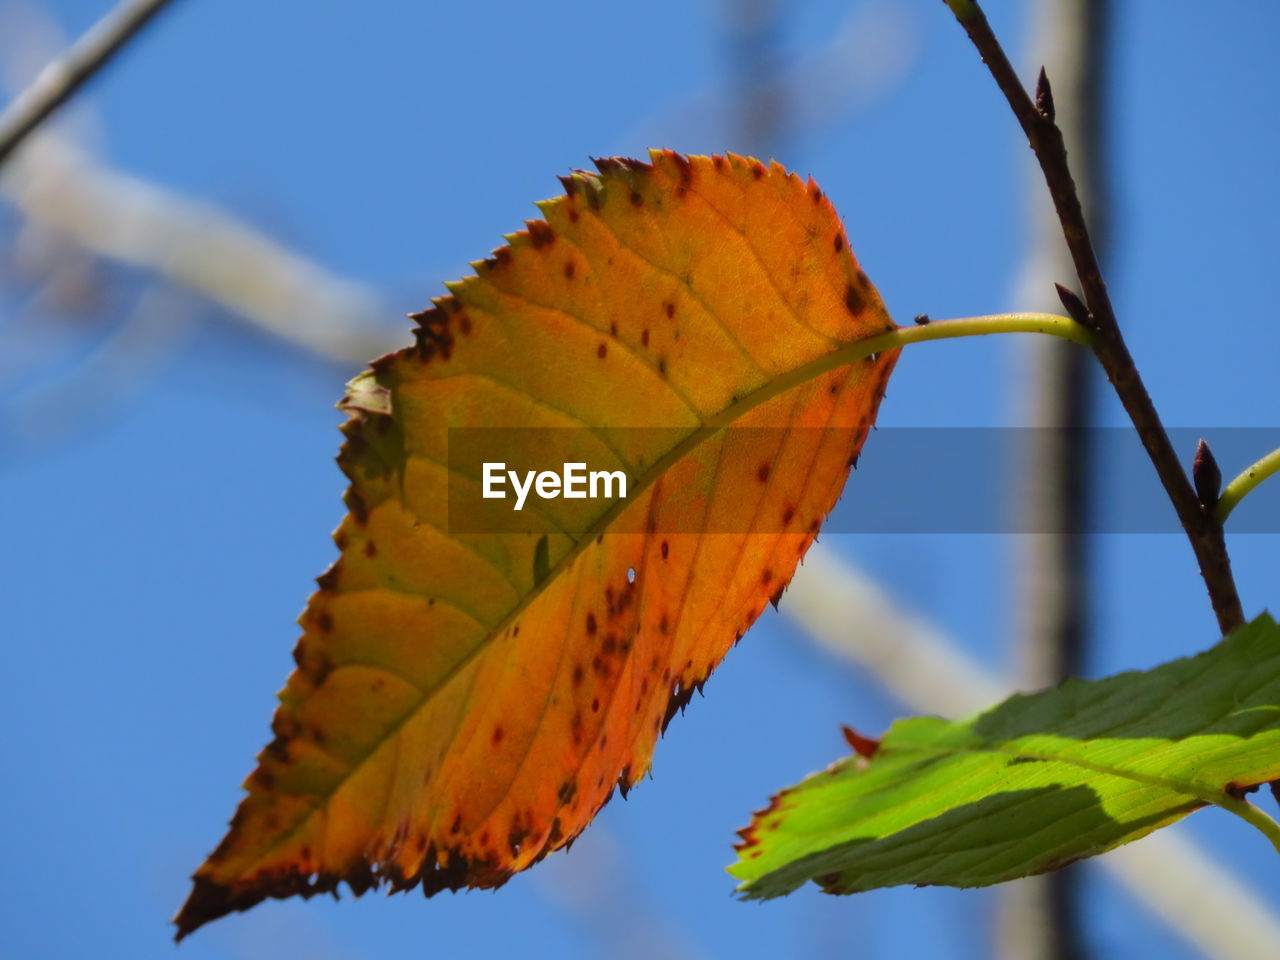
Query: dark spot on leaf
column 568, row 269
column 602, row 351
column 497, row 735
column 838, row 243
column 355, row 504
column 854, row 300
column 686, row 168
column 763, row 473
column 540, row 233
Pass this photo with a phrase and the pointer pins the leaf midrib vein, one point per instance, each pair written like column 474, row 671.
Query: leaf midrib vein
column 712, row 424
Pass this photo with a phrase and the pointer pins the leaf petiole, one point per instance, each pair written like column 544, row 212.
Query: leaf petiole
column 1047, row 323
column 1246, row 811
column 1245, row 483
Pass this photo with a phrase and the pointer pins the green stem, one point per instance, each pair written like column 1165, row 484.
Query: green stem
column 1244, row 484
column 1048, row 323
column 1248, row 812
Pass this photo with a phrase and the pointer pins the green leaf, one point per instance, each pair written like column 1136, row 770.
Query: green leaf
column 1034, row 783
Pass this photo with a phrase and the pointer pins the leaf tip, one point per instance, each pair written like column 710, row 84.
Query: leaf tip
column 207, row 901
column 863, row 746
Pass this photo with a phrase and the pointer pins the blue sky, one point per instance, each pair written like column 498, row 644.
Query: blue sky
column 159, row 553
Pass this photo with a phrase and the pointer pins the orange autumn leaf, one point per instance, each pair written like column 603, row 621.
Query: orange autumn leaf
column 466, row 701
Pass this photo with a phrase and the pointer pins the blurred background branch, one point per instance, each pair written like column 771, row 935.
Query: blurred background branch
column 198, row 247
column 1041, row 918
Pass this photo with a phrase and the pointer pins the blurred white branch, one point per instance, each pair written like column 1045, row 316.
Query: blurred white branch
column 851, row 616
column 196, row 246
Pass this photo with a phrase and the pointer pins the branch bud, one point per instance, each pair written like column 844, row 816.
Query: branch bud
column 1044, row 97
column 1207, row 476
column 1074, row 306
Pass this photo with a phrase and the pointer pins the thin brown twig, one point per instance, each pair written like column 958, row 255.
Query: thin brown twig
column 1045, row 139
column 69, row 72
